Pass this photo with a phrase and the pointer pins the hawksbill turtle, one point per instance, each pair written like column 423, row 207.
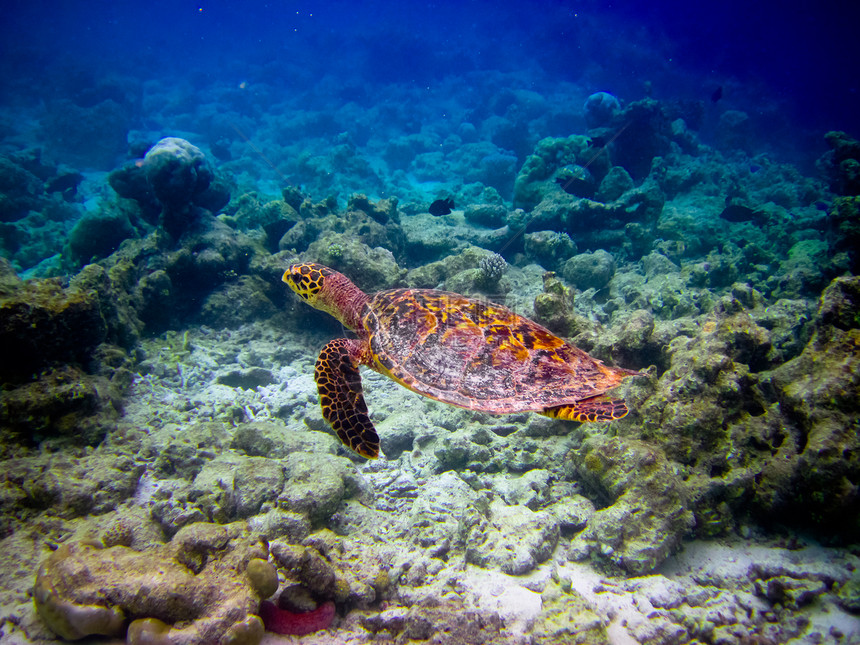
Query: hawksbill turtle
column 466, row 352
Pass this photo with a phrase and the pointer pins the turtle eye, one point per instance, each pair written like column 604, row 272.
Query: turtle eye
column 304, row 280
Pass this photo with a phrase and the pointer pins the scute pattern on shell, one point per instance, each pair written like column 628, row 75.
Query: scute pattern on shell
column 477, row 354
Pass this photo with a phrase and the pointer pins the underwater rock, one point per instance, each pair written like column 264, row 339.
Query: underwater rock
column 180, row 279
column 534, row 180
column 98, row 235
column 636, row 344
column 431, row 239
column 589, row 270
column 554, row 308
column 488, row 215
column 711, row 383
column 254, row 481
column 643, row 205
column 129, row 182
column 655, row 264
column 316, row 484
column 444, row 513
column 735, row 130
column 383, row 211
column 576, row 180
column 68, row 487
column 646, row 134
column 531, row 489
column 458, row 452
column 183, row 454
column 217, row 194
column 196, row 591
column 845, row 216
column 63, row 402
column 174, row 184
column 275, row 440
column 177, row 172
column 275, row 217
column 842, row 163
column 616, row 182
column 43, row 323
column 600, row 108
column 155, row 295
column 374, row 268
column 449, row 619
column 744, row 434
column 20, row 190
column 643, row 505
column 814, row 483
column 199, row 479
column 512, row 539
column 572, row 513
column 550, row 249
column 397, row 432
column 219, row 310
column 567, row 617
column 328, row 567
column 458, row 272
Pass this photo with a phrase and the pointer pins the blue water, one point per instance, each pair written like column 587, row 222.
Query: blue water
column 796, row 64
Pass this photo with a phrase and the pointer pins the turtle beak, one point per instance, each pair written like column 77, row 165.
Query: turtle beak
column 294, row 280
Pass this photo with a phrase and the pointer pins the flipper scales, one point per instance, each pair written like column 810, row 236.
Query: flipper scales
column 341, row 398
column 596, row 408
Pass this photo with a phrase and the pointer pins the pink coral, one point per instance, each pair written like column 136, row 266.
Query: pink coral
column 284, row 621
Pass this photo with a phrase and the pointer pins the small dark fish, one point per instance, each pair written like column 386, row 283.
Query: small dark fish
column 717, row 95
column 740, row 213
column 754, row 168
column 441, row 207
column 597, row 142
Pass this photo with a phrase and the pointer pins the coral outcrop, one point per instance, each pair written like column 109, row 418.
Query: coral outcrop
column 203, row 587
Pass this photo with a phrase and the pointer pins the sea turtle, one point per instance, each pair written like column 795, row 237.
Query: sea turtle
column 459, row 350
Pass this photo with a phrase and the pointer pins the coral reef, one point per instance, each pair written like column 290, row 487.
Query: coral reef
column 177, row 173
column 842, row 163
column 173, row 182
column 191, row 591
column 492, row 268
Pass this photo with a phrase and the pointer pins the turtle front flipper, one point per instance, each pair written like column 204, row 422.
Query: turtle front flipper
column 341, row 397
column 597, row 408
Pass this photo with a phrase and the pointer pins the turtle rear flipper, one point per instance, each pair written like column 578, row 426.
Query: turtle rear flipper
column 341, row 397
column 597, row 408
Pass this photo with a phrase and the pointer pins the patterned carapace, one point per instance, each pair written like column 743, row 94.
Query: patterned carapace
column 451, row 348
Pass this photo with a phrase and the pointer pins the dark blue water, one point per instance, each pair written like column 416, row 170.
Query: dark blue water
column 411, row 100
column 798, row 56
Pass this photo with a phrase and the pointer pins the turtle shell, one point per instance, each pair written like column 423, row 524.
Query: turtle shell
column 477, row 354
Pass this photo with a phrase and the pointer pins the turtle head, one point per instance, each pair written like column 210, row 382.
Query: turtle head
column 327, row 290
